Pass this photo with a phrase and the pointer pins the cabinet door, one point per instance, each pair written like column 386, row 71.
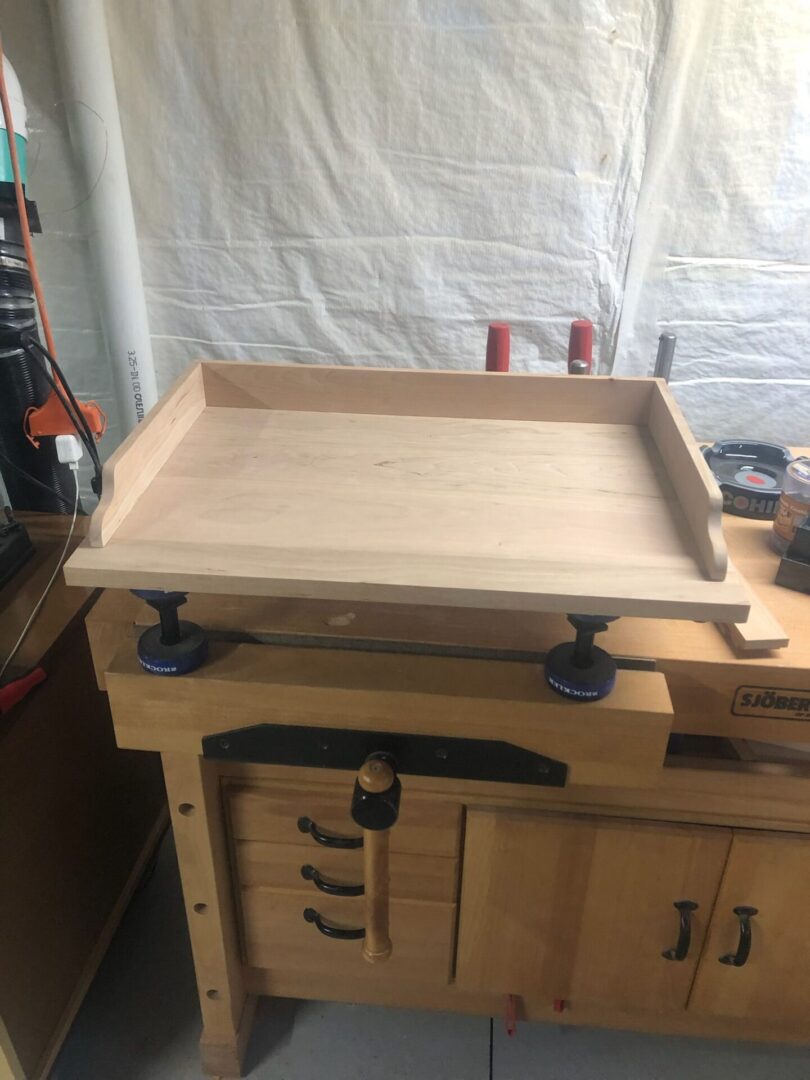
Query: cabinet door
column 769, row 872
column 582, row 908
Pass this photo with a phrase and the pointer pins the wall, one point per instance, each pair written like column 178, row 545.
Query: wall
column 62, row 250
column 730, row 269
column 369, row 182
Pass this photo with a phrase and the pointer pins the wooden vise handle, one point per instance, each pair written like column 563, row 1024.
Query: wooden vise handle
column 375, row 808
column 377, row 942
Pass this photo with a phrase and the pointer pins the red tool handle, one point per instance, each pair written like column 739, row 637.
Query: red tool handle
column 580, row 343
column 15, row 691
column 498, row 347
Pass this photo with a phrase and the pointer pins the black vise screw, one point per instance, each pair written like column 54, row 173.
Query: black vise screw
column 175, row 646
column 579, row 669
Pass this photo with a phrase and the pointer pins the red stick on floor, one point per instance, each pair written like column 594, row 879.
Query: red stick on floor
column 15, row 691
column 510, row 1014
column 498, row 347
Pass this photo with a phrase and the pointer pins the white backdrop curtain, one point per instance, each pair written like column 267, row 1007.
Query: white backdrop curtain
column 373, row 181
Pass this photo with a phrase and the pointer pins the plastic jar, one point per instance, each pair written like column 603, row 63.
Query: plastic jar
column 794, row 504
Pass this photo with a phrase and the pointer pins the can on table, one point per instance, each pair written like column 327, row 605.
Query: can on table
column 794, row 504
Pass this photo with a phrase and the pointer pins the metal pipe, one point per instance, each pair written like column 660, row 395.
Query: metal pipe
column 19, row 116
column 665, row 356
column 86, row 71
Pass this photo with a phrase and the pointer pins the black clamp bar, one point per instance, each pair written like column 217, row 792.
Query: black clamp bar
column 452, row 758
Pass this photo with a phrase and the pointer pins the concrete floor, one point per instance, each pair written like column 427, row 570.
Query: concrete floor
column 140, row 1022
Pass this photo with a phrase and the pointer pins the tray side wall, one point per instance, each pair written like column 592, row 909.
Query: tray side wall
column 479, row 395
column 697, row 491
column 147, row 448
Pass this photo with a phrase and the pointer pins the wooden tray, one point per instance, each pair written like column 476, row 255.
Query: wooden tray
column 521, row 492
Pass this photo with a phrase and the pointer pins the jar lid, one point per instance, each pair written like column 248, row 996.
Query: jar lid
column 800, row 470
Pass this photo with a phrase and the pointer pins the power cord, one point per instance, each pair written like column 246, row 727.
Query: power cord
column 6, row 461
column 69, row 451
column 39, row 354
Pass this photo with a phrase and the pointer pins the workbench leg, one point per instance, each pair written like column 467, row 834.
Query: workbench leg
column 199, row 829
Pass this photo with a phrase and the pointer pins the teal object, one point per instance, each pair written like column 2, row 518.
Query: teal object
column 6, row 175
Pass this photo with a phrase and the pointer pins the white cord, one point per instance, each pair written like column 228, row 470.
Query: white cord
column 54, row 576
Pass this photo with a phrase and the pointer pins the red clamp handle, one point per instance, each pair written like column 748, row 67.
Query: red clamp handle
column 580, row 343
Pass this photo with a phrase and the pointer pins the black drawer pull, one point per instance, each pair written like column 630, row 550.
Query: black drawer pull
column 307, row 825
column 309, row 873
column 738, row 959
column 681, row 950
column 312, row 916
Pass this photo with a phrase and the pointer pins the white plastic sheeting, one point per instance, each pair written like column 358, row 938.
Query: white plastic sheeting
column 372, row 181
column 730, row 225
column 53, row 181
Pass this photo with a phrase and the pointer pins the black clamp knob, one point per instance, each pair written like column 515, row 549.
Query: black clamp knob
column 377, row 809
column 175, row 646
column 579, row 669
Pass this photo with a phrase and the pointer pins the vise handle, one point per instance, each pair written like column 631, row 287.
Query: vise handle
column 375, row 808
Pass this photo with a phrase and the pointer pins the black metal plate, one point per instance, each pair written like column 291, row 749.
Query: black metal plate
column 415, row 755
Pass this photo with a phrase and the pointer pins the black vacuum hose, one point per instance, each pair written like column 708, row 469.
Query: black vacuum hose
column 23, row 386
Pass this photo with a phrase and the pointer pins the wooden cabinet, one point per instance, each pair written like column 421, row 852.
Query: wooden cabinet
column 771, row 873
column 581, row 909
column 281, row 872
column 79, row 819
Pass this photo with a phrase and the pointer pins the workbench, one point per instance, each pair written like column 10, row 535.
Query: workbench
column 678, row 839
column 79, row 819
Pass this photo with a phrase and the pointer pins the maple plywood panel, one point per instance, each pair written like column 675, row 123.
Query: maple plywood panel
column 520, row 514
column 350, row 485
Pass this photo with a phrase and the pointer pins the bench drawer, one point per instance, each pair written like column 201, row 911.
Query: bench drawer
column 276, row 936
column 270, row 813
column 413, row 877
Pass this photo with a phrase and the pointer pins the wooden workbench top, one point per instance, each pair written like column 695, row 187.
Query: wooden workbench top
column 669, row 640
